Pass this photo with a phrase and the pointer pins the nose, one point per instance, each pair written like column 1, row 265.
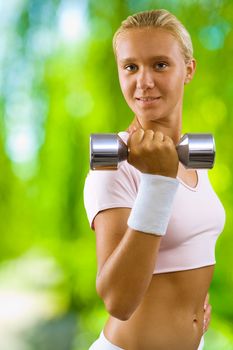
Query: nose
column 145, row 80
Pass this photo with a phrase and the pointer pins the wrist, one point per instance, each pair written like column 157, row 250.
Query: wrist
column 153, row 205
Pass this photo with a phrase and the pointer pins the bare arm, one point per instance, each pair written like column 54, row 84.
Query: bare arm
column 126, row 274
column 126, row 257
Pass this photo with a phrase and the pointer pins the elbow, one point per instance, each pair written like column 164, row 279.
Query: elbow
column 118, row 312
column 113, row 305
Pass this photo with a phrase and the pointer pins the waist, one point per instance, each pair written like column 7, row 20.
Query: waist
column 170, row 315
column 175, row 329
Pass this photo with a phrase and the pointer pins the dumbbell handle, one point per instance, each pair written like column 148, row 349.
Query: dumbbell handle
column 195, row 151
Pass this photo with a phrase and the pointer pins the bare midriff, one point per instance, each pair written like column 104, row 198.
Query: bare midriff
column 170, row 315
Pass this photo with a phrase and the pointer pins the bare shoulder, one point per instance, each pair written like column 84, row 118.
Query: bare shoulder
column 110, row 226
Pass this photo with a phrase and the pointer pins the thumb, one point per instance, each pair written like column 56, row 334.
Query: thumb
column 132, row 130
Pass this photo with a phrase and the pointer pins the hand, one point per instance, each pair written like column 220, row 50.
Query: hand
column 134, row 125
column 153, row 153
column 207, row 314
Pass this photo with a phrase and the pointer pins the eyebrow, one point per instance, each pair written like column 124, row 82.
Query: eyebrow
column 133, row 59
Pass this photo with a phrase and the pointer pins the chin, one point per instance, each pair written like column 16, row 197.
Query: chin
column 149, row 117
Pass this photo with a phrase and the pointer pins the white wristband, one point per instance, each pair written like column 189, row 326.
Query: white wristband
column 153, row 205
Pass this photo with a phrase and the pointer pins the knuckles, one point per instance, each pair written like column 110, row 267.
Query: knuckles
column 143, row 143
column 150, row 145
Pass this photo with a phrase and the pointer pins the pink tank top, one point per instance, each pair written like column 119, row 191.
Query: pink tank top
column 197, row 219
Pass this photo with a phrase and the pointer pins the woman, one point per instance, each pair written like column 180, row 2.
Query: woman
column 156, row 223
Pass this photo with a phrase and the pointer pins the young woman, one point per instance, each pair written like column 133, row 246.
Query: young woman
column 156, row 222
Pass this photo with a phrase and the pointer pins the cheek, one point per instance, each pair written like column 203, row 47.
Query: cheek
column 125, row 87
column 174, row 85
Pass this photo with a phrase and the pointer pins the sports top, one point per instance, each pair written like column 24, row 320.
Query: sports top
column 197, row 218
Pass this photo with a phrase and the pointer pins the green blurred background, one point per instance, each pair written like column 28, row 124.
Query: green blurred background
column 58, row 84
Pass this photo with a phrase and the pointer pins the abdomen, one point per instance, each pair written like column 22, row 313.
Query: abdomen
column 170, row 315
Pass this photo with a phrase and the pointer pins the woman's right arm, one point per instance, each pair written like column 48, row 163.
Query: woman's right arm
column 126, row 261
column 126, row 256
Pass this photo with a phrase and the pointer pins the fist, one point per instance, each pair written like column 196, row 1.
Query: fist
column 153, row 153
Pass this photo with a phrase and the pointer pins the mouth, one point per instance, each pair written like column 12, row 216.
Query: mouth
column 147, row 100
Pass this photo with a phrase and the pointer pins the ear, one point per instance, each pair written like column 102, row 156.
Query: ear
column 190, row 70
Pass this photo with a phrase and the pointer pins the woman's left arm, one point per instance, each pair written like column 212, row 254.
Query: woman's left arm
column 207, row 314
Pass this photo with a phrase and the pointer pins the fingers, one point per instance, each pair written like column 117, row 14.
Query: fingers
column 206, row 300
column 159, row 136
column 134, row 125
column 207, row 313
column 138, row 134
column 152, row 152
column 167, row 139
column 131, row 130
column 207, row 318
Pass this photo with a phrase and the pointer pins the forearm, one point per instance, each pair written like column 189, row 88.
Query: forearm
column 127, row 273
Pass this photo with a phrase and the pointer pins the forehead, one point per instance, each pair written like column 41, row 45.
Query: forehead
column 147, row 42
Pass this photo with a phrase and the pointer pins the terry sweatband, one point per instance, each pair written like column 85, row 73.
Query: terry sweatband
column 153, row 205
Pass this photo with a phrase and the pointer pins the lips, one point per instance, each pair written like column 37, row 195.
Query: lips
column 148, row 101
column 147, row 98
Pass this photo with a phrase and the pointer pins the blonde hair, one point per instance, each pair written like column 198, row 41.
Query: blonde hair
column 158, row 19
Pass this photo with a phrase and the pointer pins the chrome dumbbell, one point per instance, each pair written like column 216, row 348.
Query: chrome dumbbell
column 195, row 151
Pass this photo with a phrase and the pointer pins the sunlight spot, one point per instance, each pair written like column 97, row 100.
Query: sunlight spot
column 21, row 144
column 212, row 37
column 72, row 22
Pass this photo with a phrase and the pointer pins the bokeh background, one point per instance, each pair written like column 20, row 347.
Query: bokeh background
column 58, row 84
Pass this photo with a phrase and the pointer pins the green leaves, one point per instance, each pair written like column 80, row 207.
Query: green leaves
column 54, row 93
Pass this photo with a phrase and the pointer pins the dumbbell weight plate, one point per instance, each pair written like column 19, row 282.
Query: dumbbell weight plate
column 195, row 151
column 106, row 151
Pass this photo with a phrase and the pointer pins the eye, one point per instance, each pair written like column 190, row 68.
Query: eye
column 161, row 65
column 131, row 67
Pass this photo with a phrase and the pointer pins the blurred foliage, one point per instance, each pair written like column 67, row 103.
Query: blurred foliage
column 58, row 84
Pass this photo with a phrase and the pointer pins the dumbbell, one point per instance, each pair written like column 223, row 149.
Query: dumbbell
column 195, row 151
